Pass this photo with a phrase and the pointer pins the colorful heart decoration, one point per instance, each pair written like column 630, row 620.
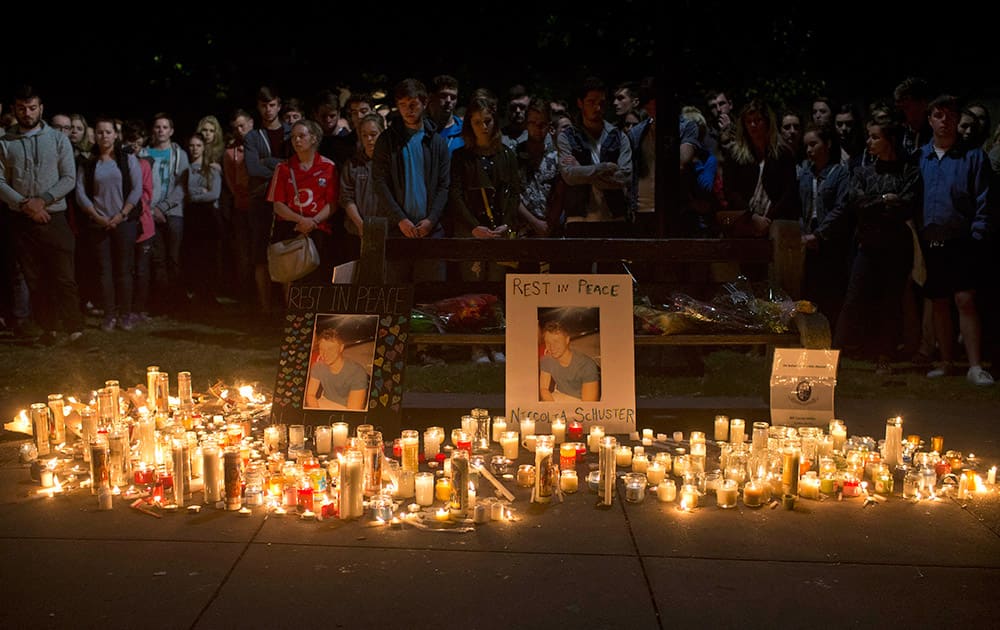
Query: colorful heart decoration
column 396, row 377
column 384, row 399
column 378, row 361
column 391, row 355
column 377, row 373
column 395, row 329
column 385, row 321
column 378, row 384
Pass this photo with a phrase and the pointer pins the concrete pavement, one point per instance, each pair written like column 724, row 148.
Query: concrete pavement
column 648, row 565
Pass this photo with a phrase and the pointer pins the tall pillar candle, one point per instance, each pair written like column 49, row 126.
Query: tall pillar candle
column 339, row 434
column 152, row 374
column 182, row 471
column 790, row 470
column 544, row 468
column 411, row 450
column 271, row 440
column 352, row 485
column 211, row 472
column 459, row 503
column 721, row 428
column 100, row 475
column 373, row 461
column 118, row 449
column 606, row 465
column 893, row 454
column 296, row 437
column 737, row 430
column 231, row 478
column 758, row 443
column 88, row 429
column 595, row 437
column 57, row 433
column 40, row 427
column 838, row 430
column 432, row 442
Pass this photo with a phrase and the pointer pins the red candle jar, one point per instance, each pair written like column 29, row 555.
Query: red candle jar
column 464, row 443
column 851, row 487
column 567, row 456
column 574, row 431
column 306, row 498
column 397, row 449
column 581, row 449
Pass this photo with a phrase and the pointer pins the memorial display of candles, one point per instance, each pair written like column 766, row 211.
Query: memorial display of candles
column 162, row 453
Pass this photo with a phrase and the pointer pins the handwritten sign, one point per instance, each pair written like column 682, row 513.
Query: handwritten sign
column 570, row 350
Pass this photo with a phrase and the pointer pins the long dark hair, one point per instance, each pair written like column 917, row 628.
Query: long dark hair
column 120, row 157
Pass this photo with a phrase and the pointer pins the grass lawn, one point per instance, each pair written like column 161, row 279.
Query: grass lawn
column 225, row 347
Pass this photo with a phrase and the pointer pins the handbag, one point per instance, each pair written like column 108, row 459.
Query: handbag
column 292, row 258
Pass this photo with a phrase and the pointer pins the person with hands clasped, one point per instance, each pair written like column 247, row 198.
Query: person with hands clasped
column 304, row 193
column 108, row 190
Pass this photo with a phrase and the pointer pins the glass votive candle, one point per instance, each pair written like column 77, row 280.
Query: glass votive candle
column 442, row 489
column 424, row 486
column 755, row 494
column 635, row 487
column 529, row 441
column 527, row 426
column 666, row 491
column 689, row 497
column 509, row 442
column 526, row 475
column 682, row 464
column 462, row 441
column 623, row 456
column 499, row 427
column 593, row 480
column 500, row 465
column 568, row 481
column 594, row 438
column 640, row 463
column 655, row 472
column 712, row 479
column 567, row 455
column 574, row 431
column 725, row 495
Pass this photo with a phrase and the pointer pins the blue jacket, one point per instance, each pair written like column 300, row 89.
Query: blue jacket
column 956, row 193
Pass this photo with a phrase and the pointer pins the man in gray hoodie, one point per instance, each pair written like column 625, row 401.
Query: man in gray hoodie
column 37, row 171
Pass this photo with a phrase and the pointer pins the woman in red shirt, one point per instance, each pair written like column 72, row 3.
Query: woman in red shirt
column 304, row 192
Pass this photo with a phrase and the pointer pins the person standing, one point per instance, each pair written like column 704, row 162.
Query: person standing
column 108, row 192
column 954, row 230
column 37, row 171
column 264, row 149
column 170, row 166
column 411, row 171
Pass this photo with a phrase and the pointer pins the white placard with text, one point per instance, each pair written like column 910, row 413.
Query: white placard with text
column 802, row 386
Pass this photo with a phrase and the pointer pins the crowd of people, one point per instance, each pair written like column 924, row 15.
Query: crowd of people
column 127, row 218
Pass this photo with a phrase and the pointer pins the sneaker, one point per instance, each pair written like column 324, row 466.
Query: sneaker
column 74, row 336
column 942, row 370
column 108, row 325
column 978, row 376
column 499, row 357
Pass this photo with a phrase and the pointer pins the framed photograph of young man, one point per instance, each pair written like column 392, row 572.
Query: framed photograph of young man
column 570, row 350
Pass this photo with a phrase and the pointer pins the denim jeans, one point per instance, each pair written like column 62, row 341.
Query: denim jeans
column 166, row 259
column 115, row 254
column 45, row 252
column 143, row 259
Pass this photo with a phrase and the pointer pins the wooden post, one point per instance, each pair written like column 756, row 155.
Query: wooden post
column 372, row 264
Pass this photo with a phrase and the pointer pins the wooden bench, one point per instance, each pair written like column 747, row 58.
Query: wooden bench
column 777, row 253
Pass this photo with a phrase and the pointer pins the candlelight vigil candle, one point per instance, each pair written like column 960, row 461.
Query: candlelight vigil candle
column 689, row 497
column 509, row 444
column 57, row 425
column 758, row 439
column 725, row 494
column 737, row 429
column 460, row 482
column 721, row 428
column 655, row 472
column 411, row 450
column 270, row 439
column 666, row 491
column 40, row 427
column 433, row 437
column 559, row 430
column 838, row 430
column 231, row 479
column 567, row 455
column 893, row 446
column 647, row 433
column 463, row 441
column 991, row 476
column 606, row 465
column 623, row 456
column 937, row 443
column 424, row 482
column 575, row 430
column 754, row 494
column 211, row 472
column 323, row 434
column 499, row 427
column 640, row 463
column 595, row 437
column 527, row 426
column 635, row 487
column 525, row 475
column 568, row 481
column 352, row 484
column 809, row 486
column 442, row 489
column 296, row 437
column 790, row 470
column 339, row 431
column 544, row 469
